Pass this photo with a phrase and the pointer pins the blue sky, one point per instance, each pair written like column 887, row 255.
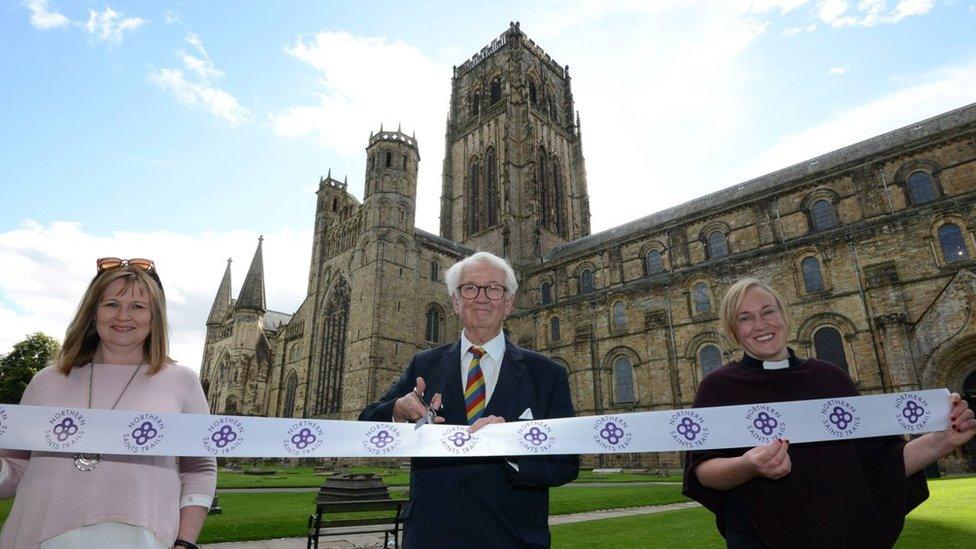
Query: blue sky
column 181, row 131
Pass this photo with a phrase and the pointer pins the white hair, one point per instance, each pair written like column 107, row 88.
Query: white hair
column 453, row 274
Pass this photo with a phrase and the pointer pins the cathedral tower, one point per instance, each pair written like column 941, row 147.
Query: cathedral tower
column 514, row 176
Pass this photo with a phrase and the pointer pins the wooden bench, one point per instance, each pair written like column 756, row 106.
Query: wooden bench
column 318, row 525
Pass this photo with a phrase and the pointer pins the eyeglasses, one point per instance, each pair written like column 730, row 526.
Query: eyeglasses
column 493, row 292
column 109, row 263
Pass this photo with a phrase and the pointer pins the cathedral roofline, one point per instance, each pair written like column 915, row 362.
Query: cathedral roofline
column 397, row 136
column 820, row 166
column 443, row 243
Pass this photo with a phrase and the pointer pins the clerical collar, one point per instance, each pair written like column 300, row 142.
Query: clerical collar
column 752, row 363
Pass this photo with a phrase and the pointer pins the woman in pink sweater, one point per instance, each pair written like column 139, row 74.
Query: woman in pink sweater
column 113, row 357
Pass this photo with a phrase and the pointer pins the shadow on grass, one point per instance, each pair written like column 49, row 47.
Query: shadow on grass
column 924, row 533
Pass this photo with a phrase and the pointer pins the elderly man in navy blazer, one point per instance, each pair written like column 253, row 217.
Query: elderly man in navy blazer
column 479, row 379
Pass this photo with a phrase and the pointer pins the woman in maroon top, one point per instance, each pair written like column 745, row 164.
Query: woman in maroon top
column 846, row 493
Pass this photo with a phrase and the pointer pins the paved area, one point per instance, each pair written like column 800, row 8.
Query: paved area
column 373, row 541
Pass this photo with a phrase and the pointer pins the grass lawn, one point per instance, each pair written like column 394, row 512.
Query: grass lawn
column 946, row 520
column 270, row 515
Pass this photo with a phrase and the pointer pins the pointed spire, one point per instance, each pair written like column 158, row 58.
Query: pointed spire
column 328, row 176
column 398, row 128
column 252, row 292
column 222, row 300
column 381, row 127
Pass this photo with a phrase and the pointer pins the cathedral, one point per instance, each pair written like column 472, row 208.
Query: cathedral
column 872, row 245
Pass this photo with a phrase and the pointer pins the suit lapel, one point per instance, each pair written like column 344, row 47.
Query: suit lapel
column 452, row 394
column 508, row 379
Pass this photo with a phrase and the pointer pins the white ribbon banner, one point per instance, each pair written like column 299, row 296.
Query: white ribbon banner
column 42, row 428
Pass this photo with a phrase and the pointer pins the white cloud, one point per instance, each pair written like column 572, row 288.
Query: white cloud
column 940, row 91
column 793, row 31
column 171, row 17
column 43, row 17
column 869, row 13
column 361, row 83
column 199, row 89
column 47, row 268
column 109, row 25
column 837, row 71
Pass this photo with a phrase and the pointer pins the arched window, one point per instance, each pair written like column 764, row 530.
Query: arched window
column 586, row 281
column 822, row 215
column 404, row 162
column 717, row 245
column 700, row 298
column 332, row 361
column 558, row 217
column 372, row 162
column 953, row 244
column 533, row 96
column 475, row 104
column 554, row 334
column 296, row 351
column 921, row 188
column 491, row 193
column 619, row 316
column 829, row 347
column 546, row 291
column 435, row 271
column 291, row 386
column 496, row 90
column 653, row 263
column 474, row 207
column 389, row 159
column 433, row 333
column 812, row 277
column 709, row 359
column 623, row 380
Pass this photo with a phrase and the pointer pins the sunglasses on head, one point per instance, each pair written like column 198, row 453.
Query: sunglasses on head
column 109, row 263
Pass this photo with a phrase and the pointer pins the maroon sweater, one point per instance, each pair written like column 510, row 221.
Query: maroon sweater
column 849, row 493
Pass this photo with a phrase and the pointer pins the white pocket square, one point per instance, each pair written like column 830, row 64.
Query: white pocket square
column 527, row 414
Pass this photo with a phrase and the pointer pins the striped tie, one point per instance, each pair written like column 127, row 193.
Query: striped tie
column 474, row 389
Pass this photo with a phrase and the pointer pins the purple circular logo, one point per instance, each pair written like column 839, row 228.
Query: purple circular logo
column 611, row 433
column 841, row 418
column 303, row 438
column 688, row 428
column 381, row 439
column 535, row 436
column 765, row 423
column 223, row 436
column 912, row 411
column 459, row 439
column 65, row 430
column 144, row 433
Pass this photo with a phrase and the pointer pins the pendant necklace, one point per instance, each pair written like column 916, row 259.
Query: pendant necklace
column 88, row 462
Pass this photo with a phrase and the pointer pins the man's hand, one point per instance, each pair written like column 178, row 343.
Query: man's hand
column 770, row 461
column 411, row 407
column 485, row 421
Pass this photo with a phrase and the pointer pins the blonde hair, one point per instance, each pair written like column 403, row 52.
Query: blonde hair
column 733, row 299
column 81, row 339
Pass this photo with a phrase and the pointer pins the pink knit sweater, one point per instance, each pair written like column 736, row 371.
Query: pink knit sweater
column 53, row 497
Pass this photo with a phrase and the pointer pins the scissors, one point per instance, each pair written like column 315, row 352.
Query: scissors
column 426, row 418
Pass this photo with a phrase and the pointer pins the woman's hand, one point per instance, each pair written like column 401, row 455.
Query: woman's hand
column 771, row 461
column 962, row 425
column 929, row 448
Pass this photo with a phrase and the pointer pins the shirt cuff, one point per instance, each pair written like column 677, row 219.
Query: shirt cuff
column 203, row 500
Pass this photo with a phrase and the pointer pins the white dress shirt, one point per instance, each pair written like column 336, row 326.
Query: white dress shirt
column 491, row 362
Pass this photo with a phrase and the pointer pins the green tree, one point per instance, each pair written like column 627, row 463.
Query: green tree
column 19, row 365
